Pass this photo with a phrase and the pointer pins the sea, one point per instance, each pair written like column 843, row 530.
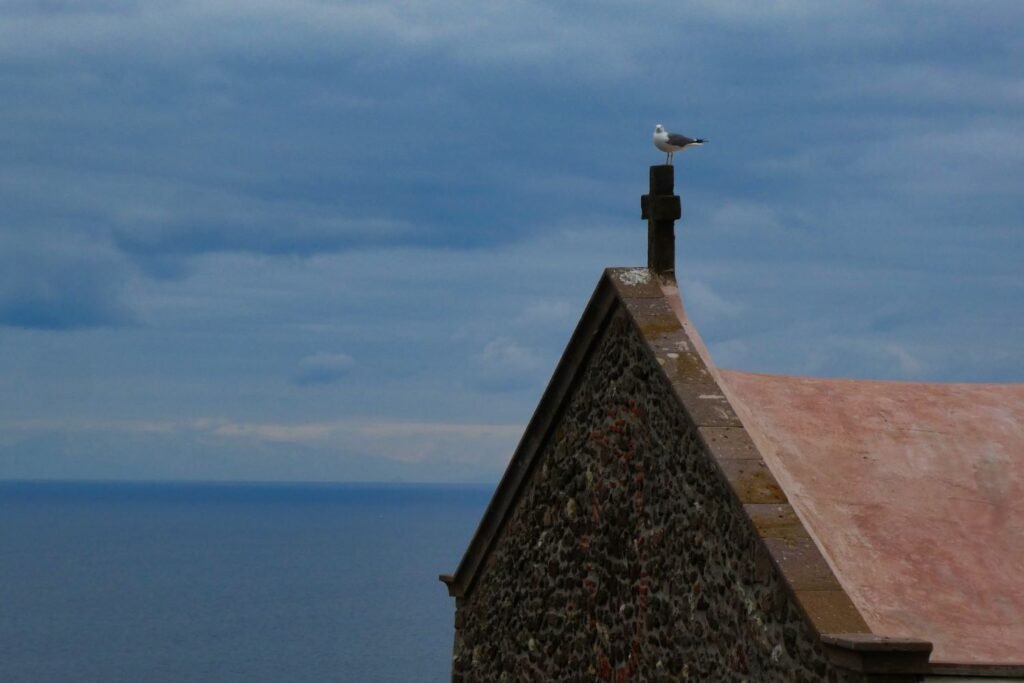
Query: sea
column 153, row 582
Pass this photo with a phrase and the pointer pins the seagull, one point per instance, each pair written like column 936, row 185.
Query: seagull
column 670, row 143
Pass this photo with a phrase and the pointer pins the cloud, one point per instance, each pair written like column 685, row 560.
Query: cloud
column 334, row 131
column 474, row 445
column 323, row 368
column 397, row 440
column 529, row 34
column 221, row 448
column 706, row 302
column 276, row 433
column 970, row 161
column 504, row 365
column 435, row 188
column 545, row 311
column 180, row 220
column 65, row 287
column 746, row 219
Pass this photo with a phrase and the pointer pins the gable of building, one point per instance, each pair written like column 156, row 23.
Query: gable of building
column 638, row 534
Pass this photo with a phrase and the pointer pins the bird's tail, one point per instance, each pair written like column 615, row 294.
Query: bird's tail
column 698, row 141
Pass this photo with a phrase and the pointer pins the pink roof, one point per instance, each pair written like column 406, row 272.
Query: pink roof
column 915, row 495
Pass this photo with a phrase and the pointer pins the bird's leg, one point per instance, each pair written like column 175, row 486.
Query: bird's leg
column 668, row 158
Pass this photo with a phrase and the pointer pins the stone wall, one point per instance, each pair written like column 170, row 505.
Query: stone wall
column 626, row 559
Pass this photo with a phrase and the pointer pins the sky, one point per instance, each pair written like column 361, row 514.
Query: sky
column 337, row 241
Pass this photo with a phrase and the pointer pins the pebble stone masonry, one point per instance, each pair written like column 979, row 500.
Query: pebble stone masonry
column 637, row 536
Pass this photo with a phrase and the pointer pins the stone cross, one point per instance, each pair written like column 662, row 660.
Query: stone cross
column 662, row 209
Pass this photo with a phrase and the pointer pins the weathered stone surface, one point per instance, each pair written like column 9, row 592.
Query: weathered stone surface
column 752, row 481
column 626, row 559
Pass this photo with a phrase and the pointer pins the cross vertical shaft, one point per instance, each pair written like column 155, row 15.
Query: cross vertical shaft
column 662, row 209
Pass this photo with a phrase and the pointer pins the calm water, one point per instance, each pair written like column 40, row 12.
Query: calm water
column 183, row 582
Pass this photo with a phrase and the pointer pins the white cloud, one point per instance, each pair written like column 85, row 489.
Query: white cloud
column 971, row 159
column 471, row 444
column 478, row 446
column 908, row 364
column 745, row 218
column 504, row 365
column 480, row 449
column 706, row 302
column 547, row 310
column 525, row 34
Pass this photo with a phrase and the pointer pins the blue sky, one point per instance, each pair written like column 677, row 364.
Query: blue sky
column 313, row 240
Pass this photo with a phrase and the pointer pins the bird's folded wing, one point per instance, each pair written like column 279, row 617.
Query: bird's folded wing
column 679, row 140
